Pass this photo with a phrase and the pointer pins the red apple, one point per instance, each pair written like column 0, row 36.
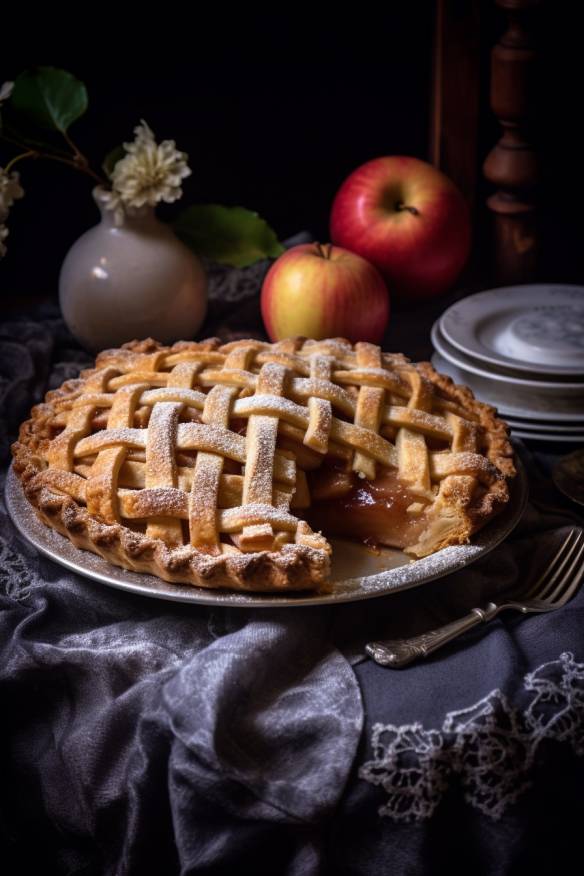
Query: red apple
column 324, row 292
column 406, row 218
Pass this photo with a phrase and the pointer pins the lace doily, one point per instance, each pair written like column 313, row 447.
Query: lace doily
column 15, row 573
column 491, row 746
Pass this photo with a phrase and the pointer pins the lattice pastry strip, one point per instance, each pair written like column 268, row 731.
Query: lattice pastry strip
column 414, row 459
column 320, row 411
column 204, row 495
column 262, row 432
column 464, row 434
column 61, row 451
column 369, row 406
column 101, row 493
column 160, row 472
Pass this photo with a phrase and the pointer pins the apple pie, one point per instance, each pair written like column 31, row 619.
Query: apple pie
column 228, row 465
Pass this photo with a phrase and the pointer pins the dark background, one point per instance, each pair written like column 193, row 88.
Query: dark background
column 274, row 111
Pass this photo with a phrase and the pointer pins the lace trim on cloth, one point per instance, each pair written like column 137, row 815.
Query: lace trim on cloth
column 15, row 574
column 490, row 746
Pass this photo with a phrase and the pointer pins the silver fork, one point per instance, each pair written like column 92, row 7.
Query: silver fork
column 554, row 587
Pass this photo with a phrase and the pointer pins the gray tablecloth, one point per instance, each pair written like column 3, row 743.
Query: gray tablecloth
column 142, row 736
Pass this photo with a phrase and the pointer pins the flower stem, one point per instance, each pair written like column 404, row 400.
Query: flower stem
column 79, row 162
column 23, row 145
column 78, row 155
column 84, row 168
column 70, row 162
column 30, row 154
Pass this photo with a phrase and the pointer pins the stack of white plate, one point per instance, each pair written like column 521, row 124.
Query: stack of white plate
column 521, row 349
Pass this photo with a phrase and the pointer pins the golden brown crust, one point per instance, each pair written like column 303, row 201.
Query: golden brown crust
column 470, row 485
column 481, row 506
column 498, row 447
column 294, row 567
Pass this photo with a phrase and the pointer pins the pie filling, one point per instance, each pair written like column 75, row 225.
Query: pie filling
column 380, row 512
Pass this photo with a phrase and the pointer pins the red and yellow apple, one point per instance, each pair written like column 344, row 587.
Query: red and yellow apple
column 324, row 291
column 408, row 219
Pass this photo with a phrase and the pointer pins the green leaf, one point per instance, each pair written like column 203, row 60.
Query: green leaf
column 229, row 235
column 112, row 159
column 49, row 97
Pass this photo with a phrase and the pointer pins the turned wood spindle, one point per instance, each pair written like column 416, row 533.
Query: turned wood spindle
column 511, row 165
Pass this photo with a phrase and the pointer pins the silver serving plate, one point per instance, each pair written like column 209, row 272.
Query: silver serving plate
column 357, row 572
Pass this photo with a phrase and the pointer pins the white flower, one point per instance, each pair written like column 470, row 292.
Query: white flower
column 6, row 91
column 147, row 174
column 3, row 236
column 10, row 191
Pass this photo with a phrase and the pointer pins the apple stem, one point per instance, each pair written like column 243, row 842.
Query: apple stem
column 413, row 210
column 324, row 251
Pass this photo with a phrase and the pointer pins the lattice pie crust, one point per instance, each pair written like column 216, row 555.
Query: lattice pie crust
column 198, row 462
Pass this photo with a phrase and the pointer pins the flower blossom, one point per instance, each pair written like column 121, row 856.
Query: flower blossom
column 147, row 174
column 10, row 191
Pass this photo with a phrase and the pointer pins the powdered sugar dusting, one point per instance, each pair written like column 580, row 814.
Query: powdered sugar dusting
column 399, row 415
column 255, row 513
column 259, row 467
column 109, row 438
column 191, row 397
column 155, row 502
column 276, row 405
column 160, row 445
column 213, row 439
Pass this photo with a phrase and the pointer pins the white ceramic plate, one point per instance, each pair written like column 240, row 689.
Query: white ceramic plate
column 492, row 372
column 547, row 436
column 531, row 329
column 535, row 426
column 516, row 401
column 357, row 573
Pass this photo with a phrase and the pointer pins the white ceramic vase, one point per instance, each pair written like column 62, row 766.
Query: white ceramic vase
column 136, row 280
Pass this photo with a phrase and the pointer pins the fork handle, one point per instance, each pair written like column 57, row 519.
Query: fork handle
column 400, row 652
